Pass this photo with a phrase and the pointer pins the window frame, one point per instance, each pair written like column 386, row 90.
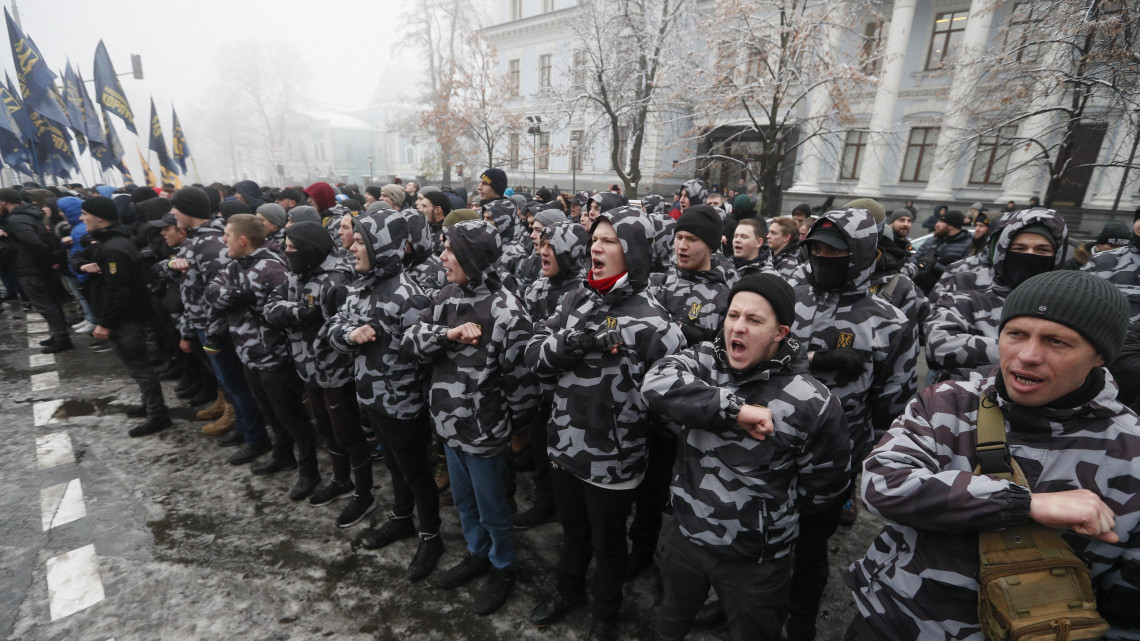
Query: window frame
column 947, row 37
column 859, row 145
column 514, row 74
column 924, row 148
column 995, row 149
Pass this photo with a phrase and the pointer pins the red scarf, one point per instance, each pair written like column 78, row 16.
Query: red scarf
column 603, row 285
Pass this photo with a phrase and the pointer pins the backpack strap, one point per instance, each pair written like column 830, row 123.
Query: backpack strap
column 992, row 450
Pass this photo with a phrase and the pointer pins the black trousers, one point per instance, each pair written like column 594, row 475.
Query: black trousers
column 405, row 444
column 280, row 397
column 338, row 422
column 129, row 343
column 810, row 571
column 40, row 294
column 653, row 494
column 543, row 493
column 593, row 523
column 754, row 594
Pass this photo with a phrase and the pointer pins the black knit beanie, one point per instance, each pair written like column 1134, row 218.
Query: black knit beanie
column 704, row 222
column 496, row 178
column 101, row 207
column 191, row 201
column 1087, row 304
column 775, row 290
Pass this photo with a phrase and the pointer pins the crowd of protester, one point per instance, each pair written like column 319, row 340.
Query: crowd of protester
column 693, row 387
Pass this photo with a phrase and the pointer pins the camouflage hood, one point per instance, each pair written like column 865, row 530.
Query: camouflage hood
column 633, row 230
column 504, row 214
column 385, row 234
column 419, row 236
column 858, row 226
column 607, row 200
column 477, row 246
column 1011, row 224
column 571, row 245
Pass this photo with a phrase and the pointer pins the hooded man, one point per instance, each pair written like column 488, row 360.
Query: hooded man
column 247, row 191
column 1121, row 267
column 600, row 202
column 864, row 350
column 1064, row 426
column 420, row 263
column 743, row 473
column 693, row 192
column 596, row 345
column 249, row 281
column 381, row 307
column 962, row 332
column 480, row 391
column 316, row 288
column 564, row 249
column 890, row 281
column 120, row 302
column 435, row 206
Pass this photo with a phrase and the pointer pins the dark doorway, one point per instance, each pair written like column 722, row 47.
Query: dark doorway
column 1087, row 139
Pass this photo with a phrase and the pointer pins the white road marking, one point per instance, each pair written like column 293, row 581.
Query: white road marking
column 45, row 380
column 37, row 328
column 73, row 582
column 40, row 360
column 60, row 504
column 44, row 412
column 53, row 450
column 34, row 341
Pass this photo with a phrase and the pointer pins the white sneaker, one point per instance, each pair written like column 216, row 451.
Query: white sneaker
column 83, row 327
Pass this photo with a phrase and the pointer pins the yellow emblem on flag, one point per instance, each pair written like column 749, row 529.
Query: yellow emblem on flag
column 846, row 339
column 113, row 268
column 694, row 311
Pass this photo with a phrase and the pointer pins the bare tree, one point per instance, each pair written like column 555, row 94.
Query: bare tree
column 480, row 98
column 1060, row 71
column 777, row 83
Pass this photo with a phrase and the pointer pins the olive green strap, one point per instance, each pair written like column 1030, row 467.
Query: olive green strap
column 992, row 451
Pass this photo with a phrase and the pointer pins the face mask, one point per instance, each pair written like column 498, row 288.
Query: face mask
column 829, row 274
column 1019, row 268
column 297, row 263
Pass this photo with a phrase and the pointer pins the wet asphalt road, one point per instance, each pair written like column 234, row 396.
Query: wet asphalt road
column 188, row 547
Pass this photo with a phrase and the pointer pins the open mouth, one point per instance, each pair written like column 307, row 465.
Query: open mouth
column 545, row 264
column 1027, row 380
column 598, row 265
column 737, row 349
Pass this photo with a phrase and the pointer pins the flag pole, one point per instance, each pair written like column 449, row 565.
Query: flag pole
column 196, row 175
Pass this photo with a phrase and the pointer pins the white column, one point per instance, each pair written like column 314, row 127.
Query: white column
column 951, row 138
column 1105, row 182
column 819, row 108
column 886, row 97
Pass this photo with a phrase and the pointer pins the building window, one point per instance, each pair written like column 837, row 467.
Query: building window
column 992, row 157
column 1021, row 40
column 544, row 151
column 872, row 57
column 513, row 72
column 516, row 9
column 513, row 150
column 853, row 149
column 580, row 72
column 547, row 6
column 576, row 150
column 948, row 31
column 544, row 71
column 919, row 154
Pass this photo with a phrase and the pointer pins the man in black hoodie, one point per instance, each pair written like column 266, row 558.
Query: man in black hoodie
column 36, row 251
column 119, row 300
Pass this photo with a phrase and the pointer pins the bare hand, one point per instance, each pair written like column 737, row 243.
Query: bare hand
column 1078, row 510
column 757, row 421
column 101, row 333
column 91, row 268
column 362, row 334
column 66, row 240
column 179, row 264
column 467, row 333
column 186, row 346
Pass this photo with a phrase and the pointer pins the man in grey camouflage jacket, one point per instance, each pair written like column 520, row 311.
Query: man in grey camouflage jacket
column 502, row 212
column 1074, row 440
column 240, row 292
column 480, row 391
column 863, row 349
column 759, row 443
column 599, row 343
column 379, row 310
column 962, row 331
column 420, row 263
column 1121, row 267
column 317, row 287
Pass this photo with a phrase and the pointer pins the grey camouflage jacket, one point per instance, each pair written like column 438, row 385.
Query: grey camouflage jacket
column 259, row 344
column 421, row 264
column 730, row 492
column 504, row 214
column 788, row 260
column 571, row 250
column 477, row 394
column 853, row 318
column 391, row 302
column 1121, row 267
column 204, row 250
column 326, row 287
column 696, row 301
column 962, row 332
column 598, row 428
column 918, row 579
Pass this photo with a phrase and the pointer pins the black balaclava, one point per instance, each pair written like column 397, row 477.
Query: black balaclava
column 1019, row 267
column 313, row 245
column 829, row 274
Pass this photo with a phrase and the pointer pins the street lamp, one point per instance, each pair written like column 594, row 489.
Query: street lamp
column 371, row 172
column 575, row 143
column 534, row 130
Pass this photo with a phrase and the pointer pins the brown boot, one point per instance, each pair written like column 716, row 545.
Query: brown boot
column 223, row 424
column 214, row 411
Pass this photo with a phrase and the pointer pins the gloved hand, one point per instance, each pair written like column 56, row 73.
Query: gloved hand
column 694, row 334
column 312, row 316
column 844, row 363
column 600, row 340
column 243, row 298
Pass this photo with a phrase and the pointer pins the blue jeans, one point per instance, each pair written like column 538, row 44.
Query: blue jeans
column 249, row 422
column 479, row 487
column 72, row 285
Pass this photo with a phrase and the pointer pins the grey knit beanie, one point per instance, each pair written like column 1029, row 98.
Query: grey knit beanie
column 1087, row 304
column 548, row 217
column 274, row 213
